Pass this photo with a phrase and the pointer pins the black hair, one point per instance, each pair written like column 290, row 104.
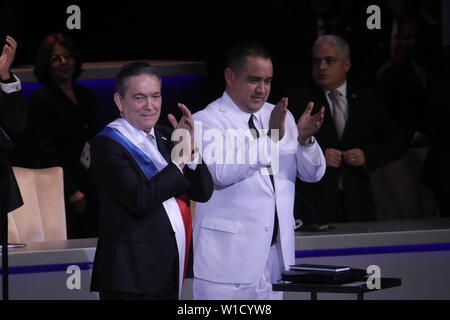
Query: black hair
column 237, row 56
column 131, row 70
column 44, row 53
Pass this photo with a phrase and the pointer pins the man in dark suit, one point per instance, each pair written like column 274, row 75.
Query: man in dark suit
column 145, row 223
column 357, row 137
column 12, row 106
column 13, row 119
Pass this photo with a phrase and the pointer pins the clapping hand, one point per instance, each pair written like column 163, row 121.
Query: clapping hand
column 187, row 123
column 7, row 57
column 278, row 118
column 308, row 124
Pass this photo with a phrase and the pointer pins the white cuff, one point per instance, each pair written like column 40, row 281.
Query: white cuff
column 11, row 87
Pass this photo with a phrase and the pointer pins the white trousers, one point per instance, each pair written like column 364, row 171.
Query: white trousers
column 261, row 289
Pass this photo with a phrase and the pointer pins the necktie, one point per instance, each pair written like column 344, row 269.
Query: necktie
column 253, row 129
column 255, row 134
column 338, row 112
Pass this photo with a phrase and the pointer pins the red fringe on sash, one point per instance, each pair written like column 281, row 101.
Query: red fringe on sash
column 184, row 205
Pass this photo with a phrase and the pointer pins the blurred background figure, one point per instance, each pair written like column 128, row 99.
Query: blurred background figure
column 63, row 120
column 381, row 46
column 404, row 79
column 436, row 172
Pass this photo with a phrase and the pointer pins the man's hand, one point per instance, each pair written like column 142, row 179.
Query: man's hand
column 186, row 122
column 354, row 157
column 308, row 124
column 278, row 119
column 7, row 57
column 78, row 200
column 333, row 157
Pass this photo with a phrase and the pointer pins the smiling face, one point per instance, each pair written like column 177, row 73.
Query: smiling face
column 141, row 103
column 62, row 65
column 249, row 85
column 330, row 67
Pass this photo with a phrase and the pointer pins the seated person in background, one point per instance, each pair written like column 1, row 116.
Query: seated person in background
column 357, row 137
column 63, row 119
column 145, row 232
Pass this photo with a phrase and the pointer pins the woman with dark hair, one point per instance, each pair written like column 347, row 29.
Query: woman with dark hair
column 63, row 119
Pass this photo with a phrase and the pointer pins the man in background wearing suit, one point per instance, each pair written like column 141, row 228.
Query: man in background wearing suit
column 13, row 118
column 244, row 236
column 13, row 115
column 357, row 136
column 145, row 223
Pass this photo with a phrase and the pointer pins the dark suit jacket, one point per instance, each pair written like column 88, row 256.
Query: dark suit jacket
column 137, row 251
column 368, row 128
column 13, row 119
column 13, row 111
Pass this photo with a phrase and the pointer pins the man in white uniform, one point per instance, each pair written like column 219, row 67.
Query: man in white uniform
column 244, row 235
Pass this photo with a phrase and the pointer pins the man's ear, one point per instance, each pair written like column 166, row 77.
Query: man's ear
column 347, row 65
column 117, row 100
column 228, row 74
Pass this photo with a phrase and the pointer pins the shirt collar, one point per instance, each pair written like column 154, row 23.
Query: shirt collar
column 342, row 89
column 138, row 132
column 245, row 116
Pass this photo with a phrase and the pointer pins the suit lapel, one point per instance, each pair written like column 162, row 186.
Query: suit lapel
column 351, row 101
column 328, row 127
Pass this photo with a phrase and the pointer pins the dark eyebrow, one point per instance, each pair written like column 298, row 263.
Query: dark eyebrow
column 327, row 57
column 250, row 77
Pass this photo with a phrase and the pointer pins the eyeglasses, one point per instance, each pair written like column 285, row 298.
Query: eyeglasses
column 58, row 58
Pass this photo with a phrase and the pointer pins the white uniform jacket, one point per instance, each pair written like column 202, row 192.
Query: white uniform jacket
column 233, row 230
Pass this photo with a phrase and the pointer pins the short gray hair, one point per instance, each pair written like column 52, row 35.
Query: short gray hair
column 337, row 41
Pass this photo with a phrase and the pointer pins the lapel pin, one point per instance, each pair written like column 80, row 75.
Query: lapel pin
column 164, row 138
